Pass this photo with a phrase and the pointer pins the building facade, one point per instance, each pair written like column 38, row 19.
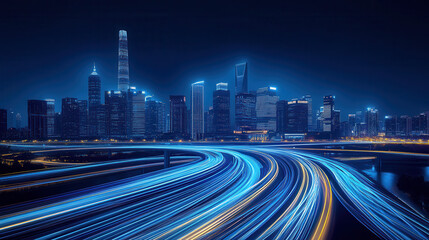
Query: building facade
column 51, row 117
column 328, row 113
column 83, row 118
column 197, row 108
column 281, row 116
column 245, row 111
column 138, row 124
column 178, row 116
column 372, row 122
column 308, row 98
column 297, row 116
column 155, row 117
column 391, row 125
column 266, row 99
column 70, row 114
column 116, row 111
column 94, row 101
column 221, row 109
column 241, row 78
column 3, row 123
column 123, row 67
column 37, row 119
column 404, row 126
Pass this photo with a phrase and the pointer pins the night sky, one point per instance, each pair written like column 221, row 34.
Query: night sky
column 366, row 53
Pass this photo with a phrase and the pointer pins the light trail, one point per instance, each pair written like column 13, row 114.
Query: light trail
column 233, row 192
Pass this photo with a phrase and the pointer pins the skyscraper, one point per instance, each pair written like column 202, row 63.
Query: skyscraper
column 94, row 101
column 155, row 117
column 319, row 120
column 328, row 113
column 371, row 120
column 167, row 121
column 70, row 118
column 330, row 117
column 161, row 117
column 116, row 110
column 83, row 118
column 138, row 113
column 245, row 111
column 221, row 109
column 123, row 67
column 197, row 108
column 404, row 125
column 51, row 117
column 208, row 121
column 310, row 112
column 37, row 119
column 266, row 99
column 58, row 132
column 178, row 116
column 297, row 116
column 241, row 78
column 352, row 128
column 336, row 124
column 391, row 125
column 3, row 123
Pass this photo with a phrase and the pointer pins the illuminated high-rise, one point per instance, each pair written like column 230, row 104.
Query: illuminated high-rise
column 352, row 127
column 371, row 120
column 241, row 78
column 70, row 118
column 178, row 115
column 116, row 113
column 391, row 125
column 221, row 109
column 37, row 119
column 197, row 108
column 328, row 113
column 310, row 112
column 266, row 99
column 330, row 117
column 297, row 116
column 123, row 67
column 51, row 117
column 137, row 112
column 94, row 101
column 281, row 116
column 155, row 117
column 404, row 125
column 245, row 111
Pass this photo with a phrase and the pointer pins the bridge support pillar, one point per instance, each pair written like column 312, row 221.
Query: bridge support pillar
column 377, row 163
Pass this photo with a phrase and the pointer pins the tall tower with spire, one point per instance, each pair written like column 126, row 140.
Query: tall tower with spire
column 94, row 101
column 123, row 68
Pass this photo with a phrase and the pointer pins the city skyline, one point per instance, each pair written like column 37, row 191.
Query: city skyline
column 130, row 113
column 214, row 120
column 358, row 72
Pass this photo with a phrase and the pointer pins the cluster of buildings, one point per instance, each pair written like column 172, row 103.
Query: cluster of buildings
column 369, row 124
column 129, row 113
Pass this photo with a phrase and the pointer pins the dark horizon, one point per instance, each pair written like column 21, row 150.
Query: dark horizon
column 367, row 53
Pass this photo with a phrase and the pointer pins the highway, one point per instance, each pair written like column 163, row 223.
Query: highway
column 232, row 192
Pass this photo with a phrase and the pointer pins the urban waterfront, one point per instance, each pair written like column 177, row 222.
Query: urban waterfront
column 305, row 190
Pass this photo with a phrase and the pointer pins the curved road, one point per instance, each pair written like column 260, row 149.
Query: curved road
column 233, row 192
